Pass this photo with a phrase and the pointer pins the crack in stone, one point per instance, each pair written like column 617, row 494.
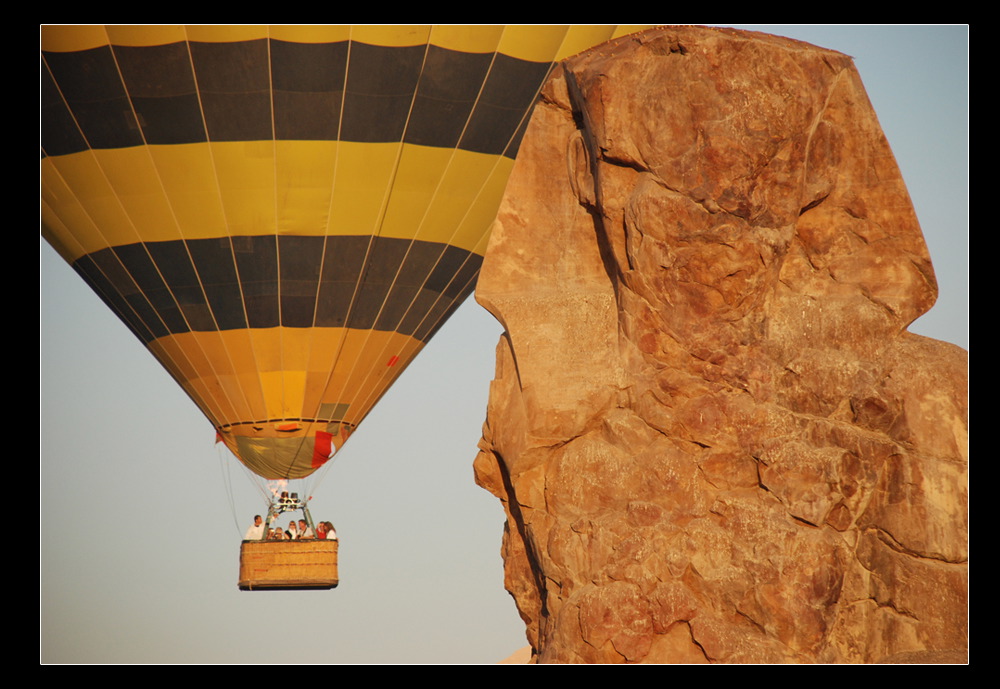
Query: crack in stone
column 694, row 640
column 887, row 539
column 889, row 605
column 813, row 204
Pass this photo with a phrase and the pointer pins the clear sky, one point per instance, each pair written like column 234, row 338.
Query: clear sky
column 141, row 513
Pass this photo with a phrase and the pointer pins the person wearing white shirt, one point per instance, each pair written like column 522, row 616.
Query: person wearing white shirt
column 255, row 532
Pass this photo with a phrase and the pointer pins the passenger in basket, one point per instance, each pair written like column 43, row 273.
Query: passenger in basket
column 255, row 532
column 331, row 533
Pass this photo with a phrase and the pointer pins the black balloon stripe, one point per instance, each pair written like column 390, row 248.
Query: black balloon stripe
column 204, row 285
column 183, row 93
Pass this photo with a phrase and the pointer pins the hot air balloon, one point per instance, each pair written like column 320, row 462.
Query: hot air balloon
column 284, row 215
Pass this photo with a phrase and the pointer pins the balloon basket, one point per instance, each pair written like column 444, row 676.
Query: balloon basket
column 288, row 565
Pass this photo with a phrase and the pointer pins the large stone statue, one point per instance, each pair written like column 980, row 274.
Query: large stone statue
column 713, row 436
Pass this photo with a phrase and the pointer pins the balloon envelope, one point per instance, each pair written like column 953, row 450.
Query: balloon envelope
column 284, row 215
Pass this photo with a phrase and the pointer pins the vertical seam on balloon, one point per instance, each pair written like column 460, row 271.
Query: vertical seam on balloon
column 326, row 239
column 277, row 247
column 220, row 416
column 347, row 316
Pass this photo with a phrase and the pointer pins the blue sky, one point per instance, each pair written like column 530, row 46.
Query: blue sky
column 141, row 513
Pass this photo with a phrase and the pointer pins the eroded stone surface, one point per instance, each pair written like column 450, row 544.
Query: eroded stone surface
column 712, row 434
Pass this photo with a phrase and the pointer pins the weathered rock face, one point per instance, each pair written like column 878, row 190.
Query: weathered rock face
column 713, row 436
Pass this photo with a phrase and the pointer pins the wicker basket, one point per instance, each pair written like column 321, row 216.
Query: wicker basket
column 269, row 565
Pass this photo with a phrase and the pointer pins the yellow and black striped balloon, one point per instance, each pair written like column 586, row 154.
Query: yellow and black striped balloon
column 284, row 215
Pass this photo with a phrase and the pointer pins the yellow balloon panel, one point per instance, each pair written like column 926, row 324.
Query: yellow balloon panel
column 246, row 182
column 468, row 232
column 260, row 372
column 146, row 34
column 370, row 361
column 220, row 33
column 69, row 38
column 580, row 38
column 84, row 198
column 311, row 33
column 305, row 173
column 468, row 39
column 217, row 391
column 435, row 190
column 137, row 184
column 364, row 179
column 187, row 174
column 389, row 35
column 65, row 223
column 534, row 43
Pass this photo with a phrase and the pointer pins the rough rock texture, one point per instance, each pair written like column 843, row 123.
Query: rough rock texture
column 712, row 434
